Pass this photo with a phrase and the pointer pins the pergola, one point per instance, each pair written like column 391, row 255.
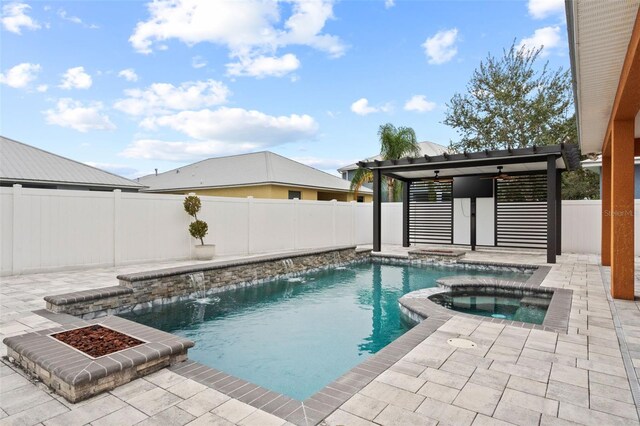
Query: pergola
column 546, row 160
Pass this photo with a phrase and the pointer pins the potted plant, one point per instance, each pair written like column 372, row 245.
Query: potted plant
column 198, row 228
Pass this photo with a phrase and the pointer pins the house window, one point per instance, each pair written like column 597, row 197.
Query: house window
column 295, row 194
column 360, row 198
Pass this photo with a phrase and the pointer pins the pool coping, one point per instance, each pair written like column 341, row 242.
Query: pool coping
column 317, row 407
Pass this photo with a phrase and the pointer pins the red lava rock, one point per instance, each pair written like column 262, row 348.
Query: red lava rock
column 96, row 340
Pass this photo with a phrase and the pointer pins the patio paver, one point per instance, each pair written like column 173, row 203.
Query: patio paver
column 515, row 375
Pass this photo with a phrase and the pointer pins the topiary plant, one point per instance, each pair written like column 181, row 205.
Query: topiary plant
column 198, row 228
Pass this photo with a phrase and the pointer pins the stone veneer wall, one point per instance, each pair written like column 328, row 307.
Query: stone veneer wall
column 145, row 289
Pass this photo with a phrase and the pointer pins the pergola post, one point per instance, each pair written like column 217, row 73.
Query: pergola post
column 559, row 212
column 552, row 218
column 622, row 210
column 406, row 188
column 473, row 224
column 377, row 210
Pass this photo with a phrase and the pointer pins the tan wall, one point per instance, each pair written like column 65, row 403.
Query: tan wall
column 276, row 192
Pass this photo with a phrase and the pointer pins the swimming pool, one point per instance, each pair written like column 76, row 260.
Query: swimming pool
column 296, row 335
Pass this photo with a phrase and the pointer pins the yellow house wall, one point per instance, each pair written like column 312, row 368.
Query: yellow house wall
column 276, row 192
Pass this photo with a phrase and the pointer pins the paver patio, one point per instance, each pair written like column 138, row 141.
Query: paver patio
column 513, row 376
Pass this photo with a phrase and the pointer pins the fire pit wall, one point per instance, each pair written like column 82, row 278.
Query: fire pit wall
column 145, row 289
column 76, row 375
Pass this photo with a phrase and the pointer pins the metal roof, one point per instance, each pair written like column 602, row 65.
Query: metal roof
column 426, row 148
column 522, row 160
column 599, row 34
column 258, row 168
column 22, row 163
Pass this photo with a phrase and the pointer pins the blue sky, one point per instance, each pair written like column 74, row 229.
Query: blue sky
column 130, row 86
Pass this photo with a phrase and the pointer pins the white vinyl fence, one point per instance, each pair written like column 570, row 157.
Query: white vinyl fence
column 48, row 230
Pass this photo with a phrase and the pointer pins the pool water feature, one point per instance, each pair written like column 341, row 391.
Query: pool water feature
column 294, row 336
column 531, row 309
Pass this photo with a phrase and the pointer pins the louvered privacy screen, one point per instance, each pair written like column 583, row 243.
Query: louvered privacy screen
column 521, row 212
column 430, row 212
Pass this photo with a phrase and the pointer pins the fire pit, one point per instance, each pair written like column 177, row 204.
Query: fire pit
column 96, row 340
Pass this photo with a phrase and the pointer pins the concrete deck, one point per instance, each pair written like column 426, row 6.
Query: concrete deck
column 513, row 376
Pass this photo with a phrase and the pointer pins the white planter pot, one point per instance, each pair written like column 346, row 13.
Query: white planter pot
column 205, row 252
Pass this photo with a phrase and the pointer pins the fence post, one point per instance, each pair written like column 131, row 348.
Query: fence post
column 249, row 208
column 18, row 230
column 353, row 204
column 334, row 208
column 117, row 226
column 294, row 221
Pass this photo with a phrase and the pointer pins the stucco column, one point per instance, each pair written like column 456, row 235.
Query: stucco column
column 622, row 209
column 605, row 250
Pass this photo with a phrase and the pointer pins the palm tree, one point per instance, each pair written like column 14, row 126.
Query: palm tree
column 395, row 143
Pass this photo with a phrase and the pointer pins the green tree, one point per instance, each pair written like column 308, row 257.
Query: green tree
column 395, row 143
column 198, row 228
column 512, row 104
column 581, row 184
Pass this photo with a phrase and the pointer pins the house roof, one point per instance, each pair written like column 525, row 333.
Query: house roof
column 22, row 163
column 258, row 168
column 597, row 163
column 426, row 148
column 514, row 161
column 599, row 34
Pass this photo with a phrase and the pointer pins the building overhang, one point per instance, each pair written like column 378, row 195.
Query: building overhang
column 603, row 47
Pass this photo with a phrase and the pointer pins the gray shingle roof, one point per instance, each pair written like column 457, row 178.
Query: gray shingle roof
column 257, row 168
column 21, row 163
column 426, row 148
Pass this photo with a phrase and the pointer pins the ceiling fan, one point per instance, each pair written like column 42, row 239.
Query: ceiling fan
column 439, row 179
column 500, row 175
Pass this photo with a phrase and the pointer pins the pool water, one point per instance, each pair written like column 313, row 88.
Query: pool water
column 531, row 309
column 295, row 336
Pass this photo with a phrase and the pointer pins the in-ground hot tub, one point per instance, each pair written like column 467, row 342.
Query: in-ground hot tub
column 523, row 304
column 514, row 304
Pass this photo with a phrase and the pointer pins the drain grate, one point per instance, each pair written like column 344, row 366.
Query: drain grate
column 462, row 343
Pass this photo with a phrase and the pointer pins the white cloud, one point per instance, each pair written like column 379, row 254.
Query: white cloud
column 75, row 115
column 389, row 4
column 329, row 165
column 128, row 74
column 76, row 78
column 419, row 103
column 237, row 125
column 540, row 9
column 441, row 48
column 153, row 149
column 64, row 15
column 198, row 62
column 75, row 20
column 20, row 75
column 263, row 66
column 250, row 29
column 362, row 107
column 15, row 18
column 163, row 98
column 118, row 169
column 42, row 88
column 548, row 38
